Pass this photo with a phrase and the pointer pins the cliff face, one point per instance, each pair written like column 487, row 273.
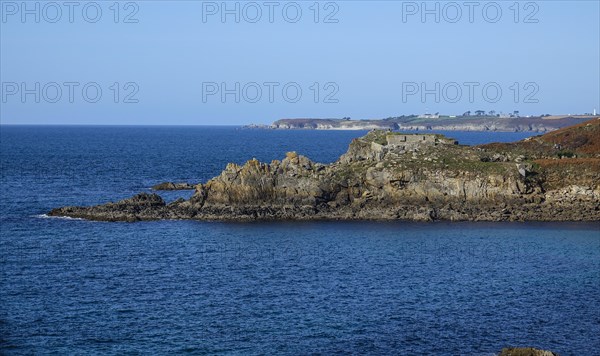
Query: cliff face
column 295, row 181
column 388, row 177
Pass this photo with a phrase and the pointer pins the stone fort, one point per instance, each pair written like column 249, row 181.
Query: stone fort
column 411, row 139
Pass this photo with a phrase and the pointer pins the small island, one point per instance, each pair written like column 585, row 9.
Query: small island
column 387, row 175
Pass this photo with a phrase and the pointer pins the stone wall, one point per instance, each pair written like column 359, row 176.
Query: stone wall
column 410, row 139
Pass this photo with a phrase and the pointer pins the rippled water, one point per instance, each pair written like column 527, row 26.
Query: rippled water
column 72, row 286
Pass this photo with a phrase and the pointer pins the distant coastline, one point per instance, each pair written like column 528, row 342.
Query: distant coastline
column 433, row 123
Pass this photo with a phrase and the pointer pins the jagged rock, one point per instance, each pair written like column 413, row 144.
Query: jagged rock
column 524, row 169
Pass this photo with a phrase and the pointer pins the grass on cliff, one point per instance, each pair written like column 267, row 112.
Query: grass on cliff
column 458, row 159
column 582, row 140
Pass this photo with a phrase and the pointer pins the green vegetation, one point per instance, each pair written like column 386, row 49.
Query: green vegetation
column 377, row 136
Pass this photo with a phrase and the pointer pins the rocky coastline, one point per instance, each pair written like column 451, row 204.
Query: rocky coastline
column 392, row 176
column 414, row 123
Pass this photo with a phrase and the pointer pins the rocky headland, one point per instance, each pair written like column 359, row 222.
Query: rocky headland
column 393, row 176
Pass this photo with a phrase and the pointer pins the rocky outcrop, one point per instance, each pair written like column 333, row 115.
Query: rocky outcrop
column 383, row 177
column 143, row 206
column 173, row 186
column 525, row 351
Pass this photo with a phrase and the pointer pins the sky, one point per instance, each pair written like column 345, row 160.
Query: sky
column 232, row 63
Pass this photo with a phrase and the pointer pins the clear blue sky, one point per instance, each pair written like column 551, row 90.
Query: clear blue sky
column 372, row 57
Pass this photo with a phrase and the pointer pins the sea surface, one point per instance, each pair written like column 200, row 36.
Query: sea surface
column 70, row 286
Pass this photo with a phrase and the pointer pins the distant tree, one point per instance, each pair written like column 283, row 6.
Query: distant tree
column 346, row 118
column 516, row 113
column 480, row 112
column 468, row 113
column 492, row 112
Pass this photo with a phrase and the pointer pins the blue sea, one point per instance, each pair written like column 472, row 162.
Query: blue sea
column 187, row 287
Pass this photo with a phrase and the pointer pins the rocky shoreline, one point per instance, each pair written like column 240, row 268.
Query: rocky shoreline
column 391, row 176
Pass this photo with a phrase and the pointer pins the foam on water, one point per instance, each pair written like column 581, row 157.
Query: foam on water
column 46, row 216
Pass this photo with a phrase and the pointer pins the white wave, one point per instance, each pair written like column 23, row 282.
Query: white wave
column 46, row 216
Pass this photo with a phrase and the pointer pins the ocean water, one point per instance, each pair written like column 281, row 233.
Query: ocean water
column 78, row 287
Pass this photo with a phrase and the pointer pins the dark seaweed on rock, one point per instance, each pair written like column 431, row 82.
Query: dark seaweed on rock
column 173, row 186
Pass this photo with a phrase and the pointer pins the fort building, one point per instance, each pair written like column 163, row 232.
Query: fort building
column 400, row 139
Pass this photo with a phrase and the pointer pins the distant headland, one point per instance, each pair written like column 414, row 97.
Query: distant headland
column 477, row 121
column 387, row 175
